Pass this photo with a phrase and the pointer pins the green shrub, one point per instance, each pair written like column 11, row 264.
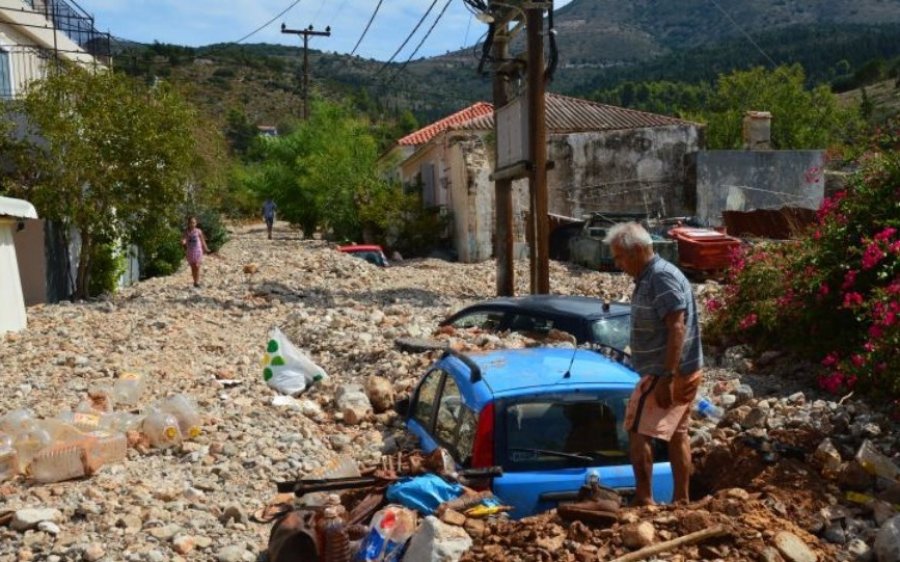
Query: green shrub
column 161, row 254
column 106, row 268
column 834, row 296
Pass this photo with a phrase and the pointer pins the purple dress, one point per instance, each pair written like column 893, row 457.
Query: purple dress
column 194, row 246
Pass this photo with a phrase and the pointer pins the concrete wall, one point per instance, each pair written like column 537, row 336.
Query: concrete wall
column 636, row 170
column 741, row 180
column 32, row 261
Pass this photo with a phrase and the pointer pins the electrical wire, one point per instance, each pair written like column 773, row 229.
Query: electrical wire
column 408, row 37
column 554, row 49
column 366, row 30
column 422, row 42
column 268, row 23
column 337, row 12
column 747, row 35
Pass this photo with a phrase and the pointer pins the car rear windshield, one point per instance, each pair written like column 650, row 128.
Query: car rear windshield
column 559, row 432
column 614, row 331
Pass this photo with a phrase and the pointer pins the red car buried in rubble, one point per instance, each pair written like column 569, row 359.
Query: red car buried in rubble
column 370, row 252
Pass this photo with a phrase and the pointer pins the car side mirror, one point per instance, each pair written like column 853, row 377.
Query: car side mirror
column 401, row 406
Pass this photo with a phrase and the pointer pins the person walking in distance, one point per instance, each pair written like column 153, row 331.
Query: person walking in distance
column 194, row 243
column 666, row 352
column 268, row 211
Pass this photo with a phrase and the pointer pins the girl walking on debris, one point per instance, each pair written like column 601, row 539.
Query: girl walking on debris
column 194, row 247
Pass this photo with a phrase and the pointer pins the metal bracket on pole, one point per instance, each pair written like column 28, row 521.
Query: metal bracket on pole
column 512, row 171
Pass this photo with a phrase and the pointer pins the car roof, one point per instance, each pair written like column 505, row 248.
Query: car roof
column 360, row 248
column 537, row 370
column 568, row 305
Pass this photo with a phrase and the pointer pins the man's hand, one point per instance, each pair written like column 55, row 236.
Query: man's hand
column 663, row 392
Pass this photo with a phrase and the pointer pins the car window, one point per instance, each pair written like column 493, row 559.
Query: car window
column 455, row 425
column 484, row 319
column 537, row 428
column 529, row 323
column 425, row 398
column 614, row 331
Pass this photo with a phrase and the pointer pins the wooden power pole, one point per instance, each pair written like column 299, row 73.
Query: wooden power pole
column 504, row 247
column 306, row 33
column 537, row 125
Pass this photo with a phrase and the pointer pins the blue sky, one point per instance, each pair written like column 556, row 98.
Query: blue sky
column 201, row 22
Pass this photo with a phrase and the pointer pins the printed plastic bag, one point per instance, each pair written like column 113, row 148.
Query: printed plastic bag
column 423, row 493
column 287, row 369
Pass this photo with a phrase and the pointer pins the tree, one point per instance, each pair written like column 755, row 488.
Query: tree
column 801, row 118
column 320, row 174
column 105, row 155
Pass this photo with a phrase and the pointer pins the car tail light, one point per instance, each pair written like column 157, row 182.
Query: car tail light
column 483, row 448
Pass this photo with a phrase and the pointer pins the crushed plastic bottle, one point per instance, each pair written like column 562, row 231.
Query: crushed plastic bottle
column 29, row 443
column 707, row 410
column 108, row 448
column 876, row 463
column 161, row 428
column 121, row 422
column 128, row 388
column 60, row 431
column 391, row 528
column 59, row 462
column 189, row 421
column 84, row 421
column 17, row 421
column 9, row 459
column 101, row 397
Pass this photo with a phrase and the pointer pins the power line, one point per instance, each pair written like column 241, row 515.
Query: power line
column 338, row 12
column 268, row 23
column 366, row 30
column 422, row 42
column 747, row 35
column 408, row 37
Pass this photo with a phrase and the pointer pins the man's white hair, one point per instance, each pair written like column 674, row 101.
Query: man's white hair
column 629, row 236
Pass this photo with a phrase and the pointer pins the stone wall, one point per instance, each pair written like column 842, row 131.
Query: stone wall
column 635, row 170
column 743, row 180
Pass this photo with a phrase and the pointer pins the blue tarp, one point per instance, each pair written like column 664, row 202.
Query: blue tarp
column 423, row 493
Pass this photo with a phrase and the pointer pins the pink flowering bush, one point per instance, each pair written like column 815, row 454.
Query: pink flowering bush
column 835, row 295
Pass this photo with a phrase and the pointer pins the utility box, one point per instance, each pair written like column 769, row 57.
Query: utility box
column 512, row 133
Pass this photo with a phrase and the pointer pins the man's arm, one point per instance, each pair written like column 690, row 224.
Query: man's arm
column 675, row 330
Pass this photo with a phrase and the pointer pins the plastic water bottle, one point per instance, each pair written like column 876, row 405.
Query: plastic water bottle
column 16, row 422
column 189, row 421
column 332, row 534
column 107, row 448
column 9, row 460
column 707, row 410
column 29, row 443
column 162, row 429
column 121, row 422
column 64, row 461
column 128, row 388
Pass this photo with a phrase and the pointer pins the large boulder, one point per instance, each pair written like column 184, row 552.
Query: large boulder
column 380, row 393
column 353, row 404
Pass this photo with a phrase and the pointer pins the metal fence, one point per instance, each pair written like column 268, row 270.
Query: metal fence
column 71, row 19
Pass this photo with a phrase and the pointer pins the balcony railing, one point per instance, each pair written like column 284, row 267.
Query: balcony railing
column 71, row 19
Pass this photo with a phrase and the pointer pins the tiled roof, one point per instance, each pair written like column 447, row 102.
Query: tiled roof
column 425, row 134
column 572, row 115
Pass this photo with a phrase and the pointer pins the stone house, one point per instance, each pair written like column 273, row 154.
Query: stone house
column 604, row 158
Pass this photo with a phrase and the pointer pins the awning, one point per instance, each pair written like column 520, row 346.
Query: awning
column 17, row 208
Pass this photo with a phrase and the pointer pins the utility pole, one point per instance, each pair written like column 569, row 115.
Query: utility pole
column 306, row 33
column 537, row 125
column 502, row 186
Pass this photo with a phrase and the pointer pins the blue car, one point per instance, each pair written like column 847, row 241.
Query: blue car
column 548, row 416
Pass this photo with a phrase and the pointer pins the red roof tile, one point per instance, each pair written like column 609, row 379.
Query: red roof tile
column 570, row 115
column 425, row 134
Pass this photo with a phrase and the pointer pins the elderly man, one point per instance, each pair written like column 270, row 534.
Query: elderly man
column 665, row 351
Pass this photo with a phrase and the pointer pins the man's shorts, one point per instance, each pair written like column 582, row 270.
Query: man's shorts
column 644, row 416
column 269, row 221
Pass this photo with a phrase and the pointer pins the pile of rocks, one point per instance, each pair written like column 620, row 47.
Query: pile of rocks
column 195, row 501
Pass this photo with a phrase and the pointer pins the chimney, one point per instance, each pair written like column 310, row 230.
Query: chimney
column 758, row 130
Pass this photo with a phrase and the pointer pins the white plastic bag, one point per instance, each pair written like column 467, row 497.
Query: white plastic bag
column 287, row 369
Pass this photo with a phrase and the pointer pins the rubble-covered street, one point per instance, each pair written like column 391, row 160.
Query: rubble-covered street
column 779, row 474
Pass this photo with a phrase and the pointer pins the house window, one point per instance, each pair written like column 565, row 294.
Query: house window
column 429, row 191
column 5, row 76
